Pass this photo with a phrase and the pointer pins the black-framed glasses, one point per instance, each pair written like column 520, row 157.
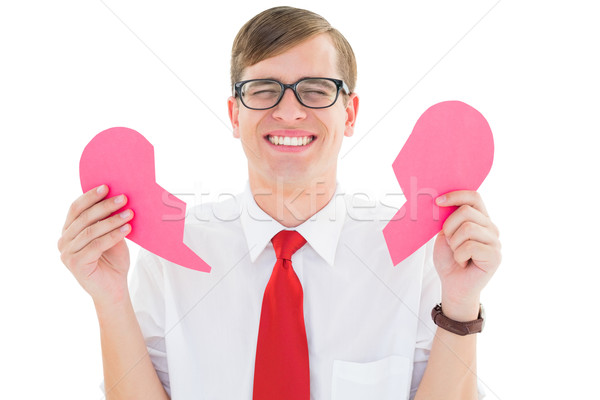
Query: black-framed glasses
column 262, row 94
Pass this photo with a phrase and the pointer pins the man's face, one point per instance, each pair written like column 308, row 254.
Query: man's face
column 305, row 165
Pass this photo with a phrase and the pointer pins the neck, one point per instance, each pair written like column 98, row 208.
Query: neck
column 289, row 201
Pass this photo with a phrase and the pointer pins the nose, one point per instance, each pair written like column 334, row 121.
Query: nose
column 289, row 108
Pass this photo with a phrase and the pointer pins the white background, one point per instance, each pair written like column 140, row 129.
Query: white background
column 70, row 69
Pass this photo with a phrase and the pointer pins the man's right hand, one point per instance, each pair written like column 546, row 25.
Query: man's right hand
column 92, row 245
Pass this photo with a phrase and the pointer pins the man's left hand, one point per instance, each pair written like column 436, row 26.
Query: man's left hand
column 466, row 253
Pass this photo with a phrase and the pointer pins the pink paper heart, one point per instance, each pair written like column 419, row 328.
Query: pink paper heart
column 124, row 160
column 450, row 148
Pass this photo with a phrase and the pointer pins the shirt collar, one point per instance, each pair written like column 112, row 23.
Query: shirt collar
column 321, row 231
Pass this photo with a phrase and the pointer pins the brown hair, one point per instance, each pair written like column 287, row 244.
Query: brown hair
column 278, row 29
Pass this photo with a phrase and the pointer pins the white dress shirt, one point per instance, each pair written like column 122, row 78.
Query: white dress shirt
column 368, row 323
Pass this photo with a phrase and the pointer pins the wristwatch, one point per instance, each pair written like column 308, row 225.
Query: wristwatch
column 459, row 328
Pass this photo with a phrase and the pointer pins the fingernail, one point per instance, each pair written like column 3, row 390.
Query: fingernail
column 124, row 228
column 441, row 199
column 101, row 189
column 125, row 214
column 119, row 199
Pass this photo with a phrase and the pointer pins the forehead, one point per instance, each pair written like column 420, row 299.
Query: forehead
column 313, row 57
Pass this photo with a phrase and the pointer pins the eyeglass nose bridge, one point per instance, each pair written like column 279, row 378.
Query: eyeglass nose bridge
column 292, row 87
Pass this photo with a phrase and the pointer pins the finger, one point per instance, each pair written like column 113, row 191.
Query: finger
column 101, row 228
column 471, row 231
column 93, row 251
column 462, row 214
column 460, row 197
column 483, row 255
column 93, row 214
column 84, row 202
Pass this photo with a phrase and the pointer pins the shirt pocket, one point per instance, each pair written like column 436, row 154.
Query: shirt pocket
column 388, row 378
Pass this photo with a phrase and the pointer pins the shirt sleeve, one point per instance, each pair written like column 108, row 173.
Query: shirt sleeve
column 146, row 289
column 431, row 294
column 148, row 299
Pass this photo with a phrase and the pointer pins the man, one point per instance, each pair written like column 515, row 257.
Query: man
column 365, row 329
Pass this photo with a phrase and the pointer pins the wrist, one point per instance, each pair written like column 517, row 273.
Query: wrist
column 463, row 310
column 111, row 305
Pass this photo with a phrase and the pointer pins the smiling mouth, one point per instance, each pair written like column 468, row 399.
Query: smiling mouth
column 290, row 141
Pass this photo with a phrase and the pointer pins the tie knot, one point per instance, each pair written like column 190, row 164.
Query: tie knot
column 287, row 243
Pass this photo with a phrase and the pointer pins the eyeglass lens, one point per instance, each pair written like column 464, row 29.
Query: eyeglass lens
column 312, row 92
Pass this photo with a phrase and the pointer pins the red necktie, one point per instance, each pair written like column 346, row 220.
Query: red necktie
column 281, row 370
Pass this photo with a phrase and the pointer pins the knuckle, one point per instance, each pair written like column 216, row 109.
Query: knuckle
column 469, row 245
column 95, row 244
column 74, row 260
column 108, row 205
column 64, row 258
column 68, row 259
column 496, row 230
column 74, row 208
column 459, row 254
column 464, row 230
column 464, row 210
column 85, row 216
column 446, row 229
column 88, row 233
column 470, row 227
column 474, row 245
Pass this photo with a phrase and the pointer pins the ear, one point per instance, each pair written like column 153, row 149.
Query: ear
column 351, row 111
column 234, row 110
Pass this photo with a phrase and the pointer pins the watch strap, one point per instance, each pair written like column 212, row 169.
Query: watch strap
column 457, row 327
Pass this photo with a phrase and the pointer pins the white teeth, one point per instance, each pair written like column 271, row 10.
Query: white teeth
column 290, row 141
